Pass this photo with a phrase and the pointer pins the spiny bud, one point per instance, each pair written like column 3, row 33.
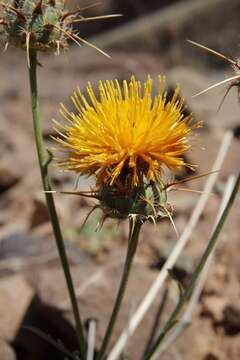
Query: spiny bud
column 39, row 24
column 35, row 24
column 148, row 201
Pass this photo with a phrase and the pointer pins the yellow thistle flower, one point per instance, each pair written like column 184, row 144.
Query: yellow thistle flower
column 124, row 131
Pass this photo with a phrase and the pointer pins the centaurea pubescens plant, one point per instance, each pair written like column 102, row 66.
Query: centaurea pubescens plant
column 124, row 137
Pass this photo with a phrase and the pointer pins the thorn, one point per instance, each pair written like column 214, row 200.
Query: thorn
column 69, row 13
column 68, row 35
column 101, row 222
column 235, row 83
column 110, row 16
column 92, row 45
column 217, row 84
column 149, row 202
column 72, row 193
column 87, row 7
column 190, row 178
column 191, row 190
column 79, row 9
column 88, row 215
column 81, row 193
column 171, row 220
column 151, row 217
column 213, row 52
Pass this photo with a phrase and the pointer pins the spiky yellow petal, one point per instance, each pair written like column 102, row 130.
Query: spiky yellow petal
column 124, row 130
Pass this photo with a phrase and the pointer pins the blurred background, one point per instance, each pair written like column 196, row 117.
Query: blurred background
column 149, row 38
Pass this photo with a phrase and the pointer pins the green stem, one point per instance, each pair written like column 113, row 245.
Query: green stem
column 43, row 164
column 187, row 292
column 134, row 231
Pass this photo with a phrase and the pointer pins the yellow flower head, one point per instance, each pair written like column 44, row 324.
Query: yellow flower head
column 124, row 132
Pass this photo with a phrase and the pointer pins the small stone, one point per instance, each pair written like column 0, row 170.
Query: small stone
column 15, row 297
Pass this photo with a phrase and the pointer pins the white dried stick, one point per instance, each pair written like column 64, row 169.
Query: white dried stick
column 187, row 316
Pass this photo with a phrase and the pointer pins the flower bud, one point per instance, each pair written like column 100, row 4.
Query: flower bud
column 36, row 24
column 149, row 202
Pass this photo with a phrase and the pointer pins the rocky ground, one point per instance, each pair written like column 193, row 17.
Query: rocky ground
column 32, row 287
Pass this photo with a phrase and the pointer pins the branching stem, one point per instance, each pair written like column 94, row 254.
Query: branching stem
column 43, row 164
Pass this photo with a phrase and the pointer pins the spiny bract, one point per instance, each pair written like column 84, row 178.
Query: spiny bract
column 38, row 24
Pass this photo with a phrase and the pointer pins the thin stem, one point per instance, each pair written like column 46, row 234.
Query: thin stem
column 156, row 322
column 134, row 230
column 43, row 164
column 185, row 296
